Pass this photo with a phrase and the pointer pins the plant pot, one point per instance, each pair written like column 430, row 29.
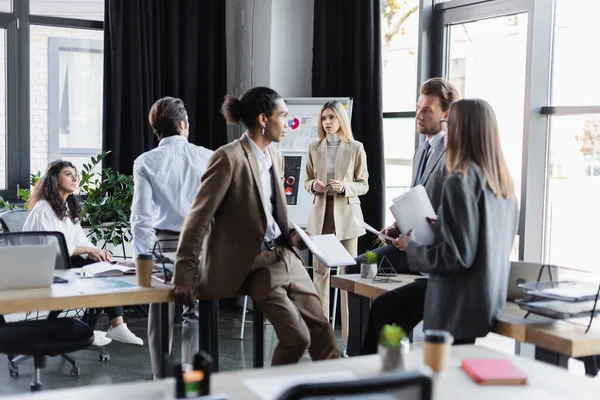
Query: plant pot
column 393, row 358
column 368, row 271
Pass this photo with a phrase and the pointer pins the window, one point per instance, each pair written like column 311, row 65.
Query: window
column 54, row 61
column 400, row 40
column 66, row 67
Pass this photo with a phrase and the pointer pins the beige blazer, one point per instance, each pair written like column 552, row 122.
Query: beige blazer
column 350, row 168
column 228, row 222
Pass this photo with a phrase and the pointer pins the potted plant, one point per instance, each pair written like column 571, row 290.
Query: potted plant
column 393, row 343
column 368, row 269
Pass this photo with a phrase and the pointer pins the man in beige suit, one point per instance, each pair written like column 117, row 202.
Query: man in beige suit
column 239, row 218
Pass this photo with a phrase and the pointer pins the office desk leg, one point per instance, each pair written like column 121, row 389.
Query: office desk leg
column 163, row 330
column 258, row 337
column 208, row 311
column 551, row 357
column 359, row 317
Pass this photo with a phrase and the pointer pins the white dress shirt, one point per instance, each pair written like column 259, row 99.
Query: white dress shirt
column 433, row 142
column 43, row 218
column 166, row 180
column 265, row 165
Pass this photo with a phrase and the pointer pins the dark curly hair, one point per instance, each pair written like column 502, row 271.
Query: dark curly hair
column 47, row 189
column 256, row 101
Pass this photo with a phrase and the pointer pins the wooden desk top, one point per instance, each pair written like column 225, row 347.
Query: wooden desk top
column 568, row 338
column 71, row 295
column 545, row 381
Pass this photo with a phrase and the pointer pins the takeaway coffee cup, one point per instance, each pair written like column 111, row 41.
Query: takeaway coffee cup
column 436, row 349
column 143, row 266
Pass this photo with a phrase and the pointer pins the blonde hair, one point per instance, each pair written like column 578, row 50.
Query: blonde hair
column 473, row 137
column 340, row 113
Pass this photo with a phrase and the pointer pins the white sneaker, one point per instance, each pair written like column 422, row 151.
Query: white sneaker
column 122, row 334
column 100, row 339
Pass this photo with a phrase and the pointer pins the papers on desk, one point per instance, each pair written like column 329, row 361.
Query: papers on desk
column 327, row 248
column 105, row 269
column 271, row 388
column 411, row 210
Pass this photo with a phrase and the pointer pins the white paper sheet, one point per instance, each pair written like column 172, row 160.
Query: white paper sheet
column 327, row 248
column 372, row 230
column 270, row 388
column 411, row 210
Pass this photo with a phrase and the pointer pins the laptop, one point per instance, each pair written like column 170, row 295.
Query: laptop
column 27, row 266
column 523, row 271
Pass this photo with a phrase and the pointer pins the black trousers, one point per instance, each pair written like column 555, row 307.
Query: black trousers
column 92, row 315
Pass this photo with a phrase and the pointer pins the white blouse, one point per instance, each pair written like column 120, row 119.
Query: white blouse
column 43, row 218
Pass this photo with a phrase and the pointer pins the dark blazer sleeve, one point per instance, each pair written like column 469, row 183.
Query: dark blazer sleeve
column 457, row 231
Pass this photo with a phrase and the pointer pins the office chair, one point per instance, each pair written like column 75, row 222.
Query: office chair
column 412, row 385
column 13, row 220
column 62, row 262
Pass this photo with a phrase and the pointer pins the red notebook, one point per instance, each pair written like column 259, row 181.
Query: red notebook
column 494, row 372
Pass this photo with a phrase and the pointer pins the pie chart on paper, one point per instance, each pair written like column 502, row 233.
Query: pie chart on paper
column 294, row 123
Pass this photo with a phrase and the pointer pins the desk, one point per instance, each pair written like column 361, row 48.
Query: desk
column 545, row 381
column 555, row 341
column 68, row 295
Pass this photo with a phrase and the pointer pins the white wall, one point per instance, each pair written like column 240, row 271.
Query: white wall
column 269, row 43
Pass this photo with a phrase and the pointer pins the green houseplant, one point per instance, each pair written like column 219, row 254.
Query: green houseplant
column 107, row 205
column 368, row 268
column 393, row 343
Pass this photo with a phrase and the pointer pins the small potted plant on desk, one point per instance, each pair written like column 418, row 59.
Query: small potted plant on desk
column 368, row 269
column 393, row 343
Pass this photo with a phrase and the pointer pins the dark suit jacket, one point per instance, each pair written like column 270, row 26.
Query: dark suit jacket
column 227, row 220
column 468, row 262
column 435, row 171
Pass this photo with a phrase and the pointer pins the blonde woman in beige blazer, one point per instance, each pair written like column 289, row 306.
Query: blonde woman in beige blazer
column 336, row 174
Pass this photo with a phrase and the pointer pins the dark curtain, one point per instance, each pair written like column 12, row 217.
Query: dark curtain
column 347, row 63
column 157, row 48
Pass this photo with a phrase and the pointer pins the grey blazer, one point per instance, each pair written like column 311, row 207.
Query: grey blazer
column 435, row 172
column 468, row 262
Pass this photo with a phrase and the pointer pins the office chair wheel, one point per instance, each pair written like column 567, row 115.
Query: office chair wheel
column 13, row 370
column 35, row 387
column 104, row 357
column 75, row 371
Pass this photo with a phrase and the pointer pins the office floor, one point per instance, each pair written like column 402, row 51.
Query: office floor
column 132, row 363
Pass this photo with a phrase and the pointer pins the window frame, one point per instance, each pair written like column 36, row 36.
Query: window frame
column 18, row 75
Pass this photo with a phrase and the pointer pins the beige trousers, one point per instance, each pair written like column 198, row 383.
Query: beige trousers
column 281, row 288
column 321, row 273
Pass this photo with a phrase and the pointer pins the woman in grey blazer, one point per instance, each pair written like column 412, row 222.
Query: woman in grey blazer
column 468, row 263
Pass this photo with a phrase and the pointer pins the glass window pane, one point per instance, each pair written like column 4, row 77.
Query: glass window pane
column 80, row 9
column 400, row 40
column 573, row 215
column 66, row 93
column 575, row 71
column 5, row 5
column 3, row 169
column 482, row 50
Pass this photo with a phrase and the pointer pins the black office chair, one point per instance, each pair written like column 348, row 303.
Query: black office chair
column 407, row 385
column 13, row 220
column 62, row 262
column 39, row 338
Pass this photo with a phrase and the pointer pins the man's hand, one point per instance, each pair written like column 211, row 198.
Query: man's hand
column 390, row 231
column 403, row 241
column 319, row 187
column 185, row 295
column 297, row 241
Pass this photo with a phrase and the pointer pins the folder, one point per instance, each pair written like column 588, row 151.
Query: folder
column 411, row 211
column 328, row 249
column 494, row 372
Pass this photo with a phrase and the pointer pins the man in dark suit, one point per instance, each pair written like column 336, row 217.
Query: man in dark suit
column 429, row 170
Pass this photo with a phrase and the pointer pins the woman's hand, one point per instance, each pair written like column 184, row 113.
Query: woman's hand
column 432, row 221
column 98, row 254
column 319, row 187
column 403, row 241
column 337, row 186
column 390, row 231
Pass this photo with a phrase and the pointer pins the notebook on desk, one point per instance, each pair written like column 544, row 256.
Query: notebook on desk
column 106, row 269
column 494, row 372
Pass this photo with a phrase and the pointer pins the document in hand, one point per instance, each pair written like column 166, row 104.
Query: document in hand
column 327, row 248
column 411, row 210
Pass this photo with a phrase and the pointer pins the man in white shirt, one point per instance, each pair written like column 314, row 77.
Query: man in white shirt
column 166, row 180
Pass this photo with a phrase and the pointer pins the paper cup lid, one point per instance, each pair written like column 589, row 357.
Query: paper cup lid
column 144, row 257
column 438, row 336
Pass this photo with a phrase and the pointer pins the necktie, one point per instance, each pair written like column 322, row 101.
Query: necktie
column 423, row 163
